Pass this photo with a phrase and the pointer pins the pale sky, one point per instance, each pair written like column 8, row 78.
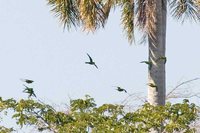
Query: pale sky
column 34, row 46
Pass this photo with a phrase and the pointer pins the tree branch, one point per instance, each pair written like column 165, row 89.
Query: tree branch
column 176, row 87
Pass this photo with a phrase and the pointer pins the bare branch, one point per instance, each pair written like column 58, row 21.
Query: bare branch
column 136, row 97
column 171, row 94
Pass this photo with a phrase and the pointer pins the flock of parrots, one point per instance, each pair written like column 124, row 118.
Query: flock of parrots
column 31, row 93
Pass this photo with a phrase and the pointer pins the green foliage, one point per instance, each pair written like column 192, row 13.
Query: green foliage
column 183, row 9
column 5, row 130
column 84, row 116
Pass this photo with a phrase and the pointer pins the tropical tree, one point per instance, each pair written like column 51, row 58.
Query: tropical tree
column 84, row 116
column 149, row 16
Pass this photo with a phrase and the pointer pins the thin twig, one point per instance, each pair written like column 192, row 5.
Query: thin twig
column 137, row 97
column 185, row 82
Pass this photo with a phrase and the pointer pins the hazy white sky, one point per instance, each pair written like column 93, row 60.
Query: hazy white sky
column 34, row 46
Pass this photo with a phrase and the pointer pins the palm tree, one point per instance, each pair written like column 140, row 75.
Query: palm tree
column 149, row 16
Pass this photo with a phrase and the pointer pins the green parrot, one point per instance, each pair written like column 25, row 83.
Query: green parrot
column 29, row 91
column 91, row 61
column 153, row 85
column 149, row 63
column 28, row 81
column 120, row 89
column 162, row 58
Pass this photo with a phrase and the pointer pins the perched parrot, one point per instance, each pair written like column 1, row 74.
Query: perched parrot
column 149, row 63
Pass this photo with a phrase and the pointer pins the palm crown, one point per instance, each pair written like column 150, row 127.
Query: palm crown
column 93, row 14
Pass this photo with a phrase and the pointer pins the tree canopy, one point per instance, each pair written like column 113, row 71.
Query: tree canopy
column 85, row 116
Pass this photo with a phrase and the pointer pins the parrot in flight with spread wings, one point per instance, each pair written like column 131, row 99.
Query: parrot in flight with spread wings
column 29, row 91
column 91, row 61
column 120, row 89
column 28, row 81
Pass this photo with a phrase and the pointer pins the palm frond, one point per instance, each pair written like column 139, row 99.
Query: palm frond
column 127, row 19
column 107, row 5
column 183, row 9
column 91, row 14
column 197, row 2
column 67, row 12
column 145, row 11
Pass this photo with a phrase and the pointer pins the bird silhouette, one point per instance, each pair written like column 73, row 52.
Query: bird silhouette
column 29, row 91
column 153, row 85
column 149, row 63
column 91, row 61
column 120, row 89
column 28, row 81
column 162, row 58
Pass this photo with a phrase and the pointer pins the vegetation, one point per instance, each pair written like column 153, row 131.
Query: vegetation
column 84, row 116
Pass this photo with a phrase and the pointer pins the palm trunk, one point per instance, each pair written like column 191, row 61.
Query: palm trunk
column 156, row 73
